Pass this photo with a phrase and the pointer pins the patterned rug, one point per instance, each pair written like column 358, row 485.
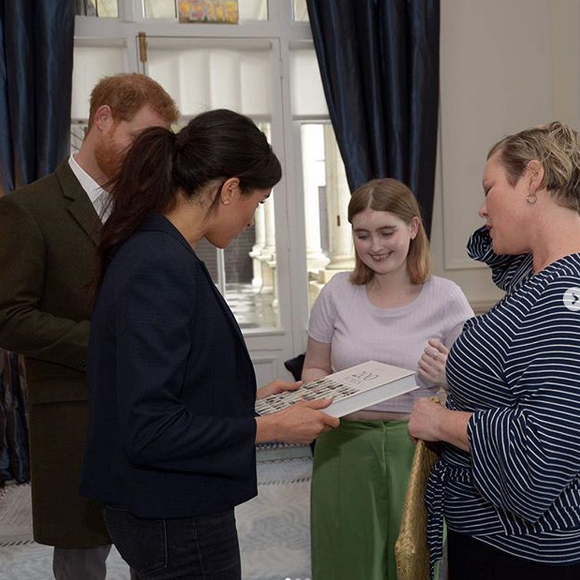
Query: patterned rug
column 15, row 515
column 273, row 528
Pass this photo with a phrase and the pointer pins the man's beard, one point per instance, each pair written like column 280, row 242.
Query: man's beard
column 109, row 156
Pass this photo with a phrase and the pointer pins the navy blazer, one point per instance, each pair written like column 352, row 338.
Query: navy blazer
column 171, row 385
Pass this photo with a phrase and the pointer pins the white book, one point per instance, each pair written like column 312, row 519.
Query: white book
column 352, row 389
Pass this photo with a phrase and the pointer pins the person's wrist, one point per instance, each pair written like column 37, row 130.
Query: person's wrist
column 440, row 424
column 266, row 429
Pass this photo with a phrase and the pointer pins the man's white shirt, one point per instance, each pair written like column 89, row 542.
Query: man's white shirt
column 98, row 196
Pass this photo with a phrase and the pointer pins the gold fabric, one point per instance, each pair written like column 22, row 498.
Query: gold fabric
column 411, row 551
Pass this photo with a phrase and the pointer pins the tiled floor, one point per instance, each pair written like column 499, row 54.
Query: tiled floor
column 273, row 527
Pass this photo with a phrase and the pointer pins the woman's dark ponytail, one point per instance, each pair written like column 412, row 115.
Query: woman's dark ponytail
column 144, row 184
column 213, row 147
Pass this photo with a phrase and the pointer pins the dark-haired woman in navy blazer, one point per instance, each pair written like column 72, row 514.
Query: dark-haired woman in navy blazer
column 171, row 441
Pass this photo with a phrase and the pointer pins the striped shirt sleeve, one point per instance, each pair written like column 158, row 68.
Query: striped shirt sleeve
column 507, row 271
column 525, row 455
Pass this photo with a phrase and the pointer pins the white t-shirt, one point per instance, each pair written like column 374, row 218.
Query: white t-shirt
column 344, row 317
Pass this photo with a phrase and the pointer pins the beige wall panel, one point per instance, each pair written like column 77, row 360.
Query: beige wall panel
column 505, row 66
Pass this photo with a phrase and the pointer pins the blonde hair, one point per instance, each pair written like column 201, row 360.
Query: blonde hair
column 557, row 147
column 396, row 198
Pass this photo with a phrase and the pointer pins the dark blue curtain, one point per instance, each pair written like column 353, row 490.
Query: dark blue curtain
column 14, row 462
column 36, row 59
column 379, row 62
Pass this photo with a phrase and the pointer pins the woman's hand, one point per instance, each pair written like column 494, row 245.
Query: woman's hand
column 425, row 420
column 432, row 363
column 299, row 423
column 277, row 386
column 431, row 421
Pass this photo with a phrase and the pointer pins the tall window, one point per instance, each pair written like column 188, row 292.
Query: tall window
column 329, row 247
column 264, row 67
column 231, row 74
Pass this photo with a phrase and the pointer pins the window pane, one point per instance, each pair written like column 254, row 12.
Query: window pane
column 249, row 287
column 329, row 247
column 308, row 98
column 300, row 11
column 91, row 63
column 100, row 8
column 246, row 271
column 77, row 134
column 85, row 7
column 107, row 8
column 160, row 9
column 253, row 9
column 250, row 272
column 201, row 74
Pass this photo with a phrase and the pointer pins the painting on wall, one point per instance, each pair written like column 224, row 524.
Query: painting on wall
column 225, row 11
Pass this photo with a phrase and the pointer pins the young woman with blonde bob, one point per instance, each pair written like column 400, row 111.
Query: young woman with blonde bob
column 390, row 309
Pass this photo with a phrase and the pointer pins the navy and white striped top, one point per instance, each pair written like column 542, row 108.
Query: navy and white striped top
column 507, row 271
column 517, row 369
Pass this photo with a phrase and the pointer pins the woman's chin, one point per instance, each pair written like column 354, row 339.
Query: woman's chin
column 219, row 243
column 497, row 247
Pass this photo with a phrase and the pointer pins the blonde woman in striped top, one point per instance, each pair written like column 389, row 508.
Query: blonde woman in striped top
column 508, row 480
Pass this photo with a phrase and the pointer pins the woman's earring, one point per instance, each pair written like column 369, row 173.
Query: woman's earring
column 531, row 198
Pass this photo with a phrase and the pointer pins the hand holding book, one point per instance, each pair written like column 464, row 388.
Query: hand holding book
column 299, row 423
column 350, row 390
column 276, row 387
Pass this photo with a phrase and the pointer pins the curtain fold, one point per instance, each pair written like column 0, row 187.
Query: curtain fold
column 36, row 60
column 14, row 462
column 379, row 63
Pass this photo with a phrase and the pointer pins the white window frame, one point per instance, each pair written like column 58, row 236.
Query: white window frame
column 284, row 33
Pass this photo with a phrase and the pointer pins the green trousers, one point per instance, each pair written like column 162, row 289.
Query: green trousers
column 359, row 483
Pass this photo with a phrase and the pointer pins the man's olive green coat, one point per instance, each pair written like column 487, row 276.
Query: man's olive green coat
column 48, row 236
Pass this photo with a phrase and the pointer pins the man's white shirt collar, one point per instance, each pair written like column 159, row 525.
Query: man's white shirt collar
column 98, row 196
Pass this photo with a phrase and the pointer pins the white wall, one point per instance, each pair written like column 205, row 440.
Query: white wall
column 505, row 65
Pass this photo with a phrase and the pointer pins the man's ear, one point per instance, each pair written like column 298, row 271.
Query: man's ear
column 229, row 189
column 103, row 118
